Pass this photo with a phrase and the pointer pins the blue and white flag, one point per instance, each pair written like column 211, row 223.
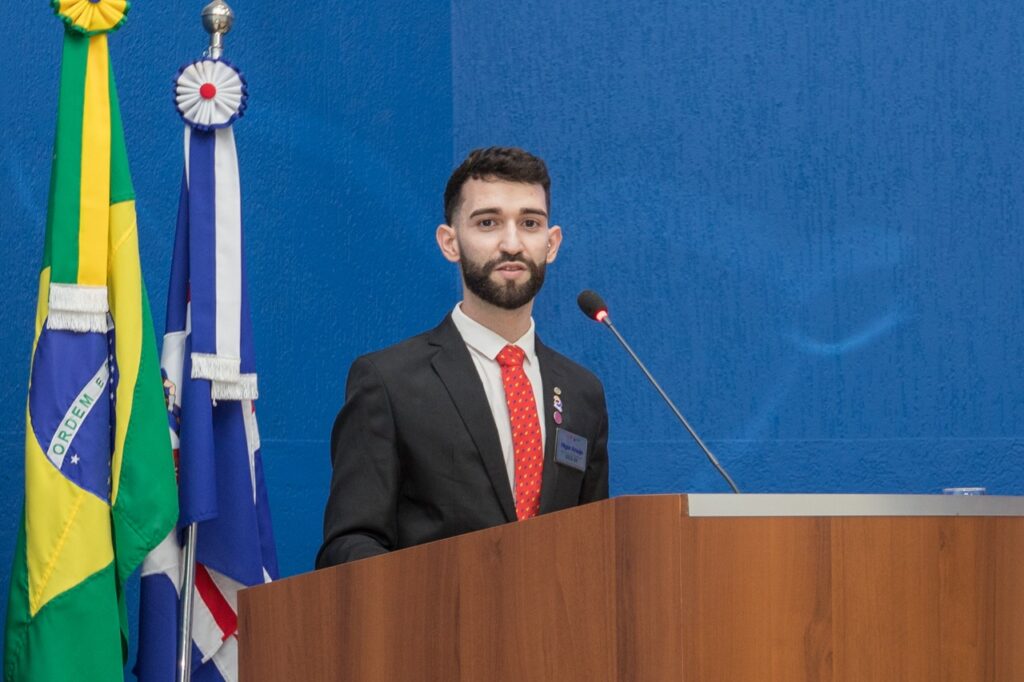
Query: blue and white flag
column 210, row 386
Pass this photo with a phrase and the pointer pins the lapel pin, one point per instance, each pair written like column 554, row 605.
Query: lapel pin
column 557, row 417
column 558, row 391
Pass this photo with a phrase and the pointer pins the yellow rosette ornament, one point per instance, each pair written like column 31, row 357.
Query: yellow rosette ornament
column 92, row 17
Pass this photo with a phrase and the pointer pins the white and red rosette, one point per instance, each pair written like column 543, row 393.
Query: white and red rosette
column 210, row 93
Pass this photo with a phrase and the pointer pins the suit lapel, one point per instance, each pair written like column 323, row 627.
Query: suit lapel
column 455, row 367
column 551, row 376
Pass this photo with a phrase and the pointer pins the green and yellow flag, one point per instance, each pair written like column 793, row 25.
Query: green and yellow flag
column 99, row 474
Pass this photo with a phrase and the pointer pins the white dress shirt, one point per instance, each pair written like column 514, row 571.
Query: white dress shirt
column 484, row 346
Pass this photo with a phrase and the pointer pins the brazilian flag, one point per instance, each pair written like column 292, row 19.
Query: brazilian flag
column 99, row 474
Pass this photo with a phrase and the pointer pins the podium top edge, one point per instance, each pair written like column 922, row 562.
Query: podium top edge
column 755, row 504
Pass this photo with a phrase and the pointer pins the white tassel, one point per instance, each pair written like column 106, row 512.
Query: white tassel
column 215, row 367
column 243, row 389
column 65, row 320
column 77, row 308
column 78, row 298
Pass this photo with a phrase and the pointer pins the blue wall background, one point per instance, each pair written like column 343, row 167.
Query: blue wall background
column 804, row 215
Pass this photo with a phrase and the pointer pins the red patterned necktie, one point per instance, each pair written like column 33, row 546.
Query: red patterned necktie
column 526, row 441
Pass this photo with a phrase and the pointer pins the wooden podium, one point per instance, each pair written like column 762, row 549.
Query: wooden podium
column 749, row 588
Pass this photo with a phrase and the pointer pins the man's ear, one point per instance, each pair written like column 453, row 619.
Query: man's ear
column 554, row 241
column 447, row 242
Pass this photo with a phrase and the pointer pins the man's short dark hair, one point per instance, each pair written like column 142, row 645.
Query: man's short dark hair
column 502, row 163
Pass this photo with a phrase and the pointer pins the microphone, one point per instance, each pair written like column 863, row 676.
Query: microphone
column 594, row 307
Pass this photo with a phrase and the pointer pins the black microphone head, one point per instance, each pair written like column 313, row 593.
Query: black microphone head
column 592, row 305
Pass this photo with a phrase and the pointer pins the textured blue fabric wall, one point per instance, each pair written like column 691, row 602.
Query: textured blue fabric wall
column 806, row 215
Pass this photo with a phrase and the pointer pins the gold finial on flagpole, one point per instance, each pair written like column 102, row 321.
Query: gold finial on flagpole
column 217, row 20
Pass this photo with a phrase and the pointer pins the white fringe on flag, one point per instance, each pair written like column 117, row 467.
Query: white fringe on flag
column 77, row 308
column 244, row 388
column 215, row 367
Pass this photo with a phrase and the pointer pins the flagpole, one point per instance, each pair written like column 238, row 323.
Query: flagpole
column 217, row 20
column 187, row 589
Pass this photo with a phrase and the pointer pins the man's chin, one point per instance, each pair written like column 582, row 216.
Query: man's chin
column 510, row 296
column 500, row 291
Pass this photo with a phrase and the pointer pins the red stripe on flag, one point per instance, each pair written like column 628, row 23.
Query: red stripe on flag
column 223, row 614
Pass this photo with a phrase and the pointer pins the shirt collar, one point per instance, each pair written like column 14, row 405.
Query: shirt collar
column 487, row 342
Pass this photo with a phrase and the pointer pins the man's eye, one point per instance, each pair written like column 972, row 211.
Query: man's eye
column 531, row 224
column 487, row 222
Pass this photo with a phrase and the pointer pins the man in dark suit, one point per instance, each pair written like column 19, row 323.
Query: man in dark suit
column 476, row 422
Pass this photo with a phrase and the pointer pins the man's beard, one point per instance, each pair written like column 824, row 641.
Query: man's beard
column 510, row 295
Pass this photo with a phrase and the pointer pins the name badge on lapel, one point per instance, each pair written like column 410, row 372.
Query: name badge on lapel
column 570, row 449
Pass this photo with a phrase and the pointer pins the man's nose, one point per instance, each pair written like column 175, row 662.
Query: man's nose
column 510, row 238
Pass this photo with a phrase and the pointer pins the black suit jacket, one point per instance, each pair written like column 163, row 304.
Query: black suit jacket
column 416, row 453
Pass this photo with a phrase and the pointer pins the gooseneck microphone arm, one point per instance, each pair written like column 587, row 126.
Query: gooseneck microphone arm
column 593, row 307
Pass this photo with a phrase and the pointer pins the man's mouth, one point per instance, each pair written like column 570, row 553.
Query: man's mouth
column 511, row 271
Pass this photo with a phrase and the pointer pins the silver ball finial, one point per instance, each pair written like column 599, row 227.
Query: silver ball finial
column 217, row 20
column 217, row 17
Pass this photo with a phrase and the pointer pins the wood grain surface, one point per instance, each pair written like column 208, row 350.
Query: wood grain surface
column 634, row 589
